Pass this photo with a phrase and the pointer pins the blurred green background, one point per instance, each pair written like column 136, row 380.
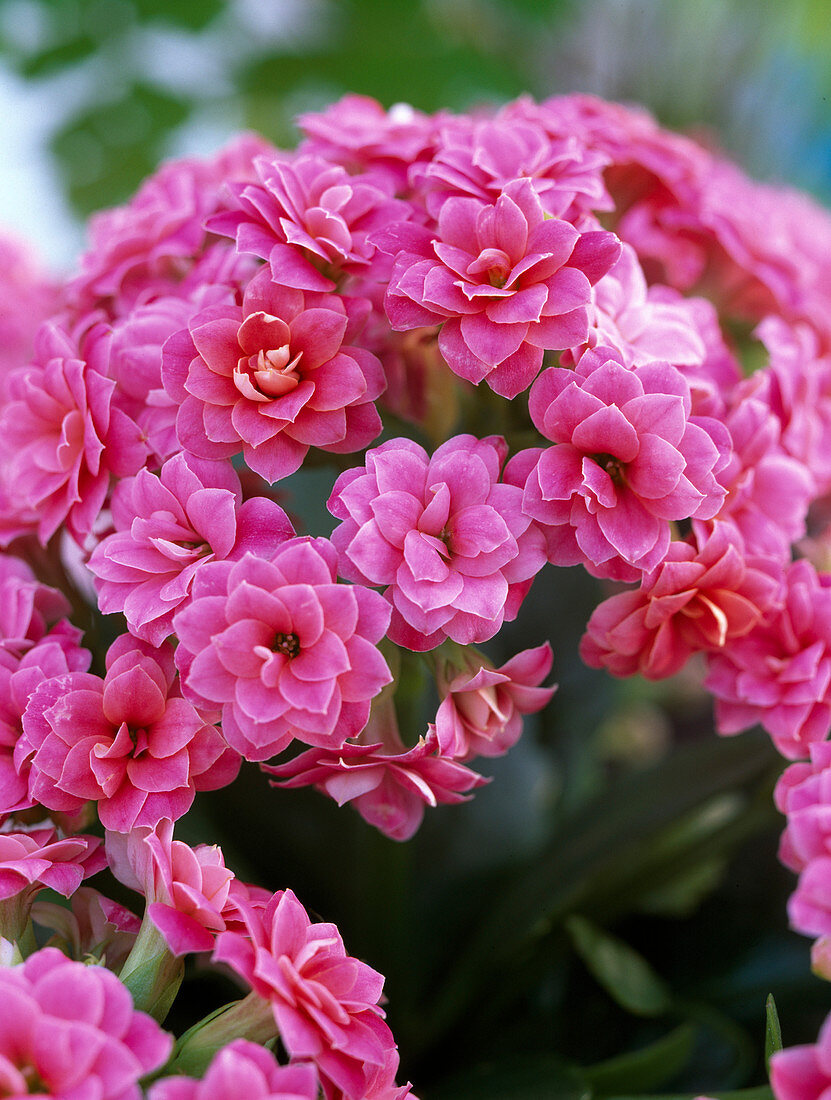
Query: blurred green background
column 96, row 92
column 497, row 986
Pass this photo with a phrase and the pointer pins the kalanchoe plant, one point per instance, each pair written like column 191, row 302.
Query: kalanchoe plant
column 251, row 319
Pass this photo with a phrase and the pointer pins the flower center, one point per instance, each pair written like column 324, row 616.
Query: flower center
column 612, row 465
column 287, row 644
column 275, row 371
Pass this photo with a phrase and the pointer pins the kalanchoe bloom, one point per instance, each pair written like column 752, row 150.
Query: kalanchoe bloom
column 768, row 491
column 27, row 298
column 70, row 1030
column 504, row 280
column 129, row 742
column 779, row 674
column 449, row 542
column 803, row 1072
column 93, row 926
column 27, row 607
column 482, row 706
column 360, row 134
column 31, row 861
column 629, row 459
column 242, row 1069
column 271, row 379
column 63, row 434
column 54, row 655
column 309, row 218
column 803, row 794
column 189, row 891
column 388, row 784
column 809, row 906
column 287, row 651
column 705, row 593
column 170, row 526
column 325, row 1002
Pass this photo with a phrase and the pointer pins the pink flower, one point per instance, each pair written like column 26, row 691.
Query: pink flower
column 779, row 674
column 167, row 528
column 63, row 434
column 27, row 607
column 803, row 1072
column 309, row 218
column 70, row 1030
column 705, row 593
column 387, row 784
column 482, row 706
column 33, row 860
column 287, row 651
column 449, row 542
column 188, row 890
column 128, row 742
column 271, row 379
column 27, row 298
column 503, row 280
column 242, row 1069
column 803, row 793
column 629, row 459
column 325, row 1002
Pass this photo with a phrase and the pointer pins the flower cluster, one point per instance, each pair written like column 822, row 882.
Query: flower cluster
column 248, row 324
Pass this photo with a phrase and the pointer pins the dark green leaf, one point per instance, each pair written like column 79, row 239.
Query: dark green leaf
column 624, row 974
column 540, row 1077
column 644, row 1069
column 773, row 1032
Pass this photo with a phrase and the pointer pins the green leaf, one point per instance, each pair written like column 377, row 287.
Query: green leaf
column 773, row 1032
column 541, row 1077
column 644, row 1069
column 625, row 975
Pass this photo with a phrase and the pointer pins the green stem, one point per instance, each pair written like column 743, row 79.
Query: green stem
column 251, row 1018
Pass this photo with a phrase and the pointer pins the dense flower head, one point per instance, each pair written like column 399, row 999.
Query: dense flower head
column 705, row 593
column 63, row 434
column 629, row 458
column 285, row 650
column 170, row 526
column 129, row 742
column 779, row 674
column 482, row 707
column 325, row 1002
column 309, row 218
column 272, row 378
column 70, row 1030
column 189, row 891
column 389, row 785
column 242, row 1069
column 446, row 538
column 502, row 279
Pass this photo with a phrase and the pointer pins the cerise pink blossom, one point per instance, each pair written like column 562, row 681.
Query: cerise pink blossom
column 704, row 593
column 629, row 459
column 70, row 1030
column 803, row 1072
column 482, row 707
column 325, row 1002
column 170, row 526
column 389, row 785
column 309, row 218
column 128, row 742
column 779, row 674
column 94, row 925
column 242, row 1069
column 272, row 378
column 449, row 542
column 503, row 280
column 188, row 890
column 285, row 650
column 64, row 435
